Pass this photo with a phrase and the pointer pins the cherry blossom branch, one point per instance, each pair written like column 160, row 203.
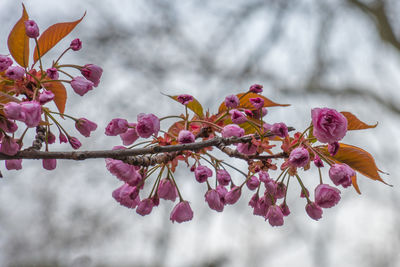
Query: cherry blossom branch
column 218, row 142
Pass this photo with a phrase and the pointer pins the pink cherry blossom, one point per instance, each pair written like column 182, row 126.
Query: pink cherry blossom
column 213, row 200
column 147, row 125
column 202, row 173
column 257, row 102
column 130, row 136
column 52, row 73
column 76, row 44
column 181, row 212
column 256, row 88
column 167, row 190
column 231, row 101
column 46, row 96
column 31, row 29
column 5, row 62
column 116, row 126
column 49, row 164
column 145, row 207
column 274, row 216
column 233, row 196
column 81, row 85
column 185, row 137
column 341, row 174
column 185, row 99
column 253, row 183
column 326, row 196
column 223, row 177
column 329, row 125
column 314, row 211
column 232, row 130
column 299, row 157
column 92, row 73
column 13, row 164
column 246, row 148
column 237, row 116
column 15, row 72
column 127, row 196
column 85, row 126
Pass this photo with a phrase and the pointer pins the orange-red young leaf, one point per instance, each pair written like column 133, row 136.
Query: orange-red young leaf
column 60, row 94
column 353, row 123
column 354, row 183
column 18, row 41
column 357, row 158
column 52, row 35
column 194, row 106
column 245, row 102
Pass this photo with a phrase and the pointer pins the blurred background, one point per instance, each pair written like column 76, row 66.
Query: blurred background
column 343, row 54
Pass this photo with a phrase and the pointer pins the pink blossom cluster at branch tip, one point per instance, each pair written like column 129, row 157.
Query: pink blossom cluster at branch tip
column 185, row 99
column 256, row 88
column 76, row 44
column 31, row 29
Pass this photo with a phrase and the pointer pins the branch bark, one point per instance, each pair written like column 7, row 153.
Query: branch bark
column 148, row 155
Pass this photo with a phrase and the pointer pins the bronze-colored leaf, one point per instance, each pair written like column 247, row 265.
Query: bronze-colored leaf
column 18, row 41
column 60, row 94
column 357, row 158
column 52, row 35
column 245, row 102
column 353, row 123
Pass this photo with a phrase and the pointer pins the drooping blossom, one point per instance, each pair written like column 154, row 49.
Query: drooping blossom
column 116, row 126
column 147, row 125
column 181, row 212
column 145, row 207
column 326, row 196
column 237, row 117
column 314, row 211
column 246, row 148
column 223, row 177
column 167, row 190
column 81, row 85
column 341, row 174
column 253, row 183
column 49, row 164
column 299, row 157
column 85, row 126
column 202, row 173
column 127, row 196
column 233, row 196
column 46, row 96
column 130, row 136
column 280, row 129
column 274, row 216
column 5, row 62
column 92, row 73
column 213, row 200
column 76, row 44
column 15, row 72
column 13, row 164
column 333, row 148
column 257, row 102
column 52, row 73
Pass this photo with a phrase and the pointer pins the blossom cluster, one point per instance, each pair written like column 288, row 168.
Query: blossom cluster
column 27, row 92
column 233, row 120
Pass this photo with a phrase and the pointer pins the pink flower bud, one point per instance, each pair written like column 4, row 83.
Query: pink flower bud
column 333, row 148
column 145, row 207
column 341, row 174
column 299, row 157
column 7, row 125
column 285, row 209
column 85, row 126
column 280, row 129
column 280, row 190
column 185, row 137
column 237, row 116
column 51, row 138
column 274, row 216
column 49, row 164
column 304, row 194
column 264, row 176
column 256, row 88
column 9, row 146
column 232, row 130
column 232, row 101
column 253, row 183
column 15, row 72
column 127, row 196
column 52, row 73
column 233, row 196
column 63, row 138
column 271, row 187
column 81, row 86
column 257, row 102
column 5, row 62
column 181, row 212
column 31, row 111
column 116, row 126
column 31, row 29
column 123, row 171
column 318, row 162
column 223, row 177
column 254, row 200
column 222, row 191
column 214, row 200
column 314, row 211
column 185, row 99
column 326, row 196
column 130, row 136
column 45, row 97
column 247, row 149
column 262, row 206
column 202, row 173
column 74, row 142
column 147, row 125
column 76, row 44
column 92, row 73
column 167, row 190
column 13, row 164
column 329, row 125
